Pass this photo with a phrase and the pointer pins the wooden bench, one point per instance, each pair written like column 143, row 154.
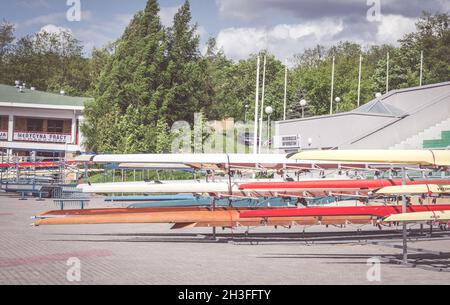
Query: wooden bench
column 81, row 202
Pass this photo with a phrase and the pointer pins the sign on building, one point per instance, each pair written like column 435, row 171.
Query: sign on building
column 289, row 141
column 42, row 137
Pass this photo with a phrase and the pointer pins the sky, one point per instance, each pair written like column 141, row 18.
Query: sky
column 242, row 27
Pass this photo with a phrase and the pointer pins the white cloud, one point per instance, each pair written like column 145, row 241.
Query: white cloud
column 316, row 9
column 53, row 18
column 238, row 9
column 42, row 20
column 283, row 40
column 201, row 31
column 167, row 13
column 393, row 27
column 122, row 20
column 98, row 34
column 286, row 40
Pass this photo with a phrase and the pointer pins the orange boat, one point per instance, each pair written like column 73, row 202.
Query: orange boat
column 187, row 218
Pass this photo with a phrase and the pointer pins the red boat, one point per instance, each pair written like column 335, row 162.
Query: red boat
column 378, row 211
column 40, row 164
column 330, row 185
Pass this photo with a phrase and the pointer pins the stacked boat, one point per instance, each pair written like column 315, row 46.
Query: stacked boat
column 234, row 203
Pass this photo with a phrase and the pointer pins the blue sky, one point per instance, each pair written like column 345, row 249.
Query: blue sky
column 242, row 27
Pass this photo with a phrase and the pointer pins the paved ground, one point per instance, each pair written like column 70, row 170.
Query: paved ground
column 152, row 254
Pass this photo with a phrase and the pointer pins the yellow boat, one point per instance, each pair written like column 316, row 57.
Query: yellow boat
column 414, row 189
column 418, row 157
column 441, row 216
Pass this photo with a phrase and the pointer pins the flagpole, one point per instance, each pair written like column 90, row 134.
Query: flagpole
column 262, row 106
column 387, row 73
column 359, row 79
column 421, row 68
column 332, row 86
column 255, row 132
column 285, row 90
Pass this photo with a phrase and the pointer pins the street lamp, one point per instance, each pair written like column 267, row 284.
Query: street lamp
column 269, row 111
column 378, row 96
column 303, row 104
column 338, row 101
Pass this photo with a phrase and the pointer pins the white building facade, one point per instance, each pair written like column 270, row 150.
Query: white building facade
column 411, row 118
column 39, row 123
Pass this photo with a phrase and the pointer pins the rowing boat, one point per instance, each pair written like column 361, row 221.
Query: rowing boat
column 436, row 216
column 156, row 188
column 333, row 185
column 415, row 189
column 378, row 211
column 420, row 157
column 225, row 202
column 200, row 217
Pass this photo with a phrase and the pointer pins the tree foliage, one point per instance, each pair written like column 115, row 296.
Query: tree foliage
column 154, row 76
column 47, row 61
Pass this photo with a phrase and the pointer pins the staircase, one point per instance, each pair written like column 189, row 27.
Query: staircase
column 443, row 142
column 437, row 136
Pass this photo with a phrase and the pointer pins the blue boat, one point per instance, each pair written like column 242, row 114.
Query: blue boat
column 223, row 202
column 150, row 198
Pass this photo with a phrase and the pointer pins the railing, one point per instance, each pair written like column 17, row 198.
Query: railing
column 42, row 137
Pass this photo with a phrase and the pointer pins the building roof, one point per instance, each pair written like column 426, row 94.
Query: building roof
column 381, row 123
column 379, row 107
column 10, row 96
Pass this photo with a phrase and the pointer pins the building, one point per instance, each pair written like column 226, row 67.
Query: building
column 413, row 118
column 36, row 123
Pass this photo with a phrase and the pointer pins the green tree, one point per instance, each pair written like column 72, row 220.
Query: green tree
column 49, row 62
column 432, row 36
column 6, row 38
column 130, row 92
column 186, row 93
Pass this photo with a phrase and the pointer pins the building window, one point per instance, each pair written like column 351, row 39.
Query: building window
column 55, row 126
column 4, row 123
column 35, row 125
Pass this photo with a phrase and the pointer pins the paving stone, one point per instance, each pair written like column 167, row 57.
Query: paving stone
column 153, row 254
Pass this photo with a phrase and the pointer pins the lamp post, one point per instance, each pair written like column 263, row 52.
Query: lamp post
column 255, row 133
column 303, row 104
column 421, row 68
column 246, row 111
column 338, row 101
column 269, row 111
column 332, row 85
column 378, row 96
